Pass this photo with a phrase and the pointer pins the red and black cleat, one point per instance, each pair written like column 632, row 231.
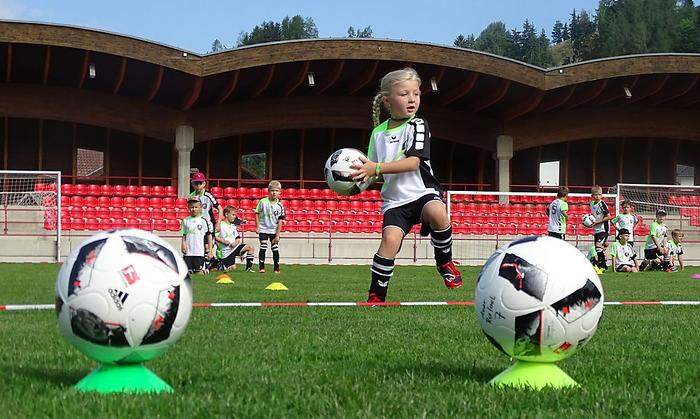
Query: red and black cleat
column 450, row 274
column 375, row 299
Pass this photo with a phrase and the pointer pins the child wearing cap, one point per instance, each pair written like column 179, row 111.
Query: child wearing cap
column 623, row 257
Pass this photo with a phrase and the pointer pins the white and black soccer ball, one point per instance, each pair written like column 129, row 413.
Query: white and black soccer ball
column 337, row 172
column 588, row 220
column 538, row 299
column 123, row 297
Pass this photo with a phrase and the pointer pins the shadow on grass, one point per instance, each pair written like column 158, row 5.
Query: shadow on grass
column 43, row 375
column 468, row 371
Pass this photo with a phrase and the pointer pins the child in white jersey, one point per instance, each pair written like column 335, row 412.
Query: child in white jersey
column 196, row 238
column 675, row 249
column 626, row 220
column 230, row 242
column 399, row 151
column 269, row 214
column 558, row 213
column 624, row 259
column 601, row 225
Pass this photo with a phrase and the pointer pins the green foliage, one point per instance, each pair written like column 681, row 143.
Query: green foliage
column 468, row 42
column 495, row 39
column 296, row 27
column 360, row 33
column 217, row 46
column 357, row 361
column 583, row 36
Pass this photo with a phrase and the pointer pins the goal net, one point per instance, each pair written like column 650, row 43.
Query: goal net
column 31, row 206
column 681, row 203
column 484, row 221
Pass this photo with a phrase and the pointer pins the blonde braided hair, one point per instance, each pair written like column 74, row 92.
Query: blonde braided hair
column 385, row 85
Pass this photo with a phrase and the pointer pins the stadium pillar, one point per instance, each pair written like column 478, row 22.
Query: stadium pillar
column 504, row 153
column 184, row 143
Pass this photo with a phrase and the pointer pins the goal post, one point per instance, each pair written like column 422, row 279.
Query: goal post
column 484, row 221
column 31, row 203
column 681, row 203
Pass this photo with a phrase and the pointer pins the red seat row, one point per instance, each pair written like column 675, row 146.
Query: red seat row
column 80, row 189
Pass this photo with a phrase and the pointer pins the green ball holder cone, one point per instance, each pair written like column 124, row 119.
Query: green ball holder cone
column 129, row 378
column 533, row 375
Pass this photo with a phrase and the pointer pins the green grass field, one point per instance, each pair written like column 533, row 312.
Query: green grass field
column 358, row 361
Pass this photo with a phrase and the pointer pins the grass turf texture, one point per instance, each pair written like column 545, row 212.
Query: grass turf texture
column 358, row 361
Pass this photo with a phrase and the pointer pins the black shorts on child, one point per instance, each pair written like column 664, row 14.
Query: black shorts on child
column 230, row 260
column 408, row 215
column 651, row 254
column 266, row 236
column 194, row 263
column 600, row 237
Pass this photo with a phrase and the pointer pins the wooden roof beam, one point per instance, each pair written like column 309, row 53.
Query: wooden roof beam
column 264, row 82
column 651, row 90
column 616, row 93
column 488, row 100
column 120, row 77
column 559, row 99
column 230, row 87
column 524, row 107
column 676, row 93
column 296, row 81
column 155, row 85
column 47, row 65
column 193, row 93
column 331, row 79
column 460, row 90
column 84, row 71
column 589, row 95
column 364, row 78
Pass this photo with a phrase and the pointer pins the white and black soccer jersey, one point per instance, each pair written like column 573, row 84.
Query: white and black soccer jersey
column 623, row 253
column 208, row 202
column 410, row 139
column 269, row 214
column 194, row 229
column 626, row 221
column 599, row 209
column 557, row 220
column 228, row 232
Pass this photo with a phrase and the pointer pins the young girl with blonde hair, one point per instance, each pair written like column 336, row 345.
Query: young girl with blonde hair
column 399, row 151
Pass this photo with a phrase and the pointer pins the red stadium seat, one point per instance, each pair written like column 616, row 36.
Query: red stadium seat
column 118, row 223
column 132, row 190
column 144, row 190
column 116, row 202
column 93, row 190
column 65, row 200
column 217, row 191
column 141, row 201
column 81, row 189
column 170, row 191
column 155, row 202
column 116, row 213
column 229, row 192
column 157, row 191
column 120, row 190
column 67, row 189
column 173, row 225
column 103, row 201
column 129, row 202
column 76, row 201
column 92, row 224
column 257, row 193
column 106, row 190
column 77, row 223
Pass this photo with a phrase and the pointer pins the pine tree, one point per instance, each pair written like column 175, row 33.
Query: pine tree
column 558, row 32
column 465, row 42
column 360, row 33
column 495, row 39
column 217, row 46
column 296, row 27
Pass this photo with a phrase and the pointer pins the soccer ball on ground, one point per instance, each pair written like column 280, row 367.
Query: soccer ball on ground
column 538, row 299
column 588, row 220
column 123, row 297
column 337, row 172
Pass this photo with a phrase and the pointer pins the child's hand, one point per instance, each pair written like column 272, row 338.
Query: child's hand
column 276, row 239
column 363, row 172
column 183, row 248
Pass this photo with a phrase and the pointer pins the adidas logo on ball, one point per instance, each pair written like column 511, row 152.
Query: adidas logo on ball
column 119, row 298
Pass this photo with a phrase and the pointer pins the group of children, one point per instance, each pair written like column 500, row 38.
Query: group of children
column 204, row 230
column 660, row 251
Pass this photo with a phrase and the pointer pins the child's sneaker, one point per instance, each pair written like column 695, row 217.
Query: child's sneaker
column 277, row 270
column 261, row 270
column 249, row 269
column 450, row 274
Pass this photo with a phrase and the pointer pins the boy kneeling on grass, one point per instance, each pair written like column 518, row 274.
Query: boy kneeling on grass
column 231, row 243
column 623, row 257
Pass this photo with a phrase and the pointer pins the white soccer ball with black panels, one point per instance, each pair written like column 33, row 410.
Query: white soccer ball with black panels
column 337, row 172
column 538, row 299
column 123, row 297
column 588, row 220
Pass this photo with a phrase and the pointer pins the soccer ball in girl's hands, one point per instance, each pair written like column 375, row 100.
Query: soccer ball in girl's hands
column 123, row 297
column 538, row 299
column 337, row 172
column 588, row 220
